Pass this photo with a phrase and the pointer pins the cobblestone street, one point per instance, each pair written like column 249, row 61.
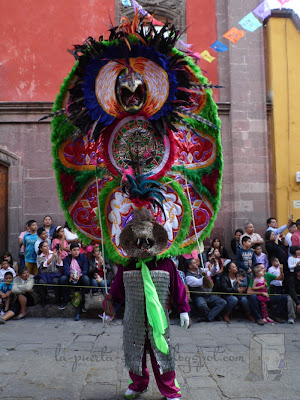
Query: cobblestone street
column 58, row 358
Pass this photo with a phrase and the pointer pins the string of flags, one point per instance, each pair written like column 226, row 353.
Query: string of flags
column 249, row 23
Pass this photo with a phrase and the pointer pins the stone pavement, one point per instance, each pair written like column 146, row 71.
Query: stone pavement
column 58, row 358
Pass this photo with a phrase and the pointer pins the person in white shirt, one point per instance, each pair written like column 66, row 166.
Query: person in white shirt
column 275, row 285
column 4, row 268
column 294, row 259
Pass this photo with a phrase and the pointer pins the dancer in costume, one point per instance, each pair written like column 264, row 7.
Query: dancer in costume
column 145, row 284
column 135, row 127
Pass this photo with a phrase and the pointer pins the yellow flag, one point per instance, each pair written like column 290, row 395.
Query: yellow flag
column 207, row 56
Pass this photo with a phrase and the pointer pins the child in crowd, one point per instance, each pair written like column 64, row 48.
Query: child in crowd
column 245, row 256
column 5, row 292
column 4, row 268
column 275, row 285
column 260, row 286
column 235, row 242
column 260, row 257
column 21, row 245
column 294, row 259
column 29, row 242
column 214, row 265
column 59, row 242
column 8, row 256
column 24, row 296
column 241, row 278
column 42, row 237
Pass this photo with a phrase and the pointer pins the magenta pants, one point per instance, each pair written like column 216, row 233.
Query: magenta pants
column 166, row 382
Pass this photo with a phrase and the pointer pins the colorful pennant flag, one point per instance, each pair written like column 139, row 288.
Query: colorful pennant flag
column 234, row 35
column 219, row 47
column 282, row 2
column 140, row 9
column 126, row 3
column 250, row 22
column 186, row 45
column 263, row 10
column 207, row 56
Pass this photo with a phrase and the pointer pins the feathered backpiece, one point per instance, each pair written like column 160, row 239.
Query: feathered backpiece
column 134, row 125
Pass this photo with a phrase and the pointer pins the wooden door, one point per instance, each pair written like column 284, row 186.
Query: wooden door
column 3, row 208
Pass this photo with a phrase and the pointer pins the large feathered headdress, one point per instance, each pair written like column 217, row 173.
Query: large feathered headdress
column 135, row 126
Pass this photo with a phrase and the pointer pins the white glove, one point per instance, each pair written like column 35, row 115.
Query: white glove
column 184, row 320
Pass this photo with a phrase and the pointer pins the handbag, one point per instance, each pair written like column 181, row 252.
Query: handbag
column 93, row 301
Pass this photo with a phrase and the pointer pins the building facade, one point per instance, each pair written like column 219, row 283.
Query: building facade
column 35, row 62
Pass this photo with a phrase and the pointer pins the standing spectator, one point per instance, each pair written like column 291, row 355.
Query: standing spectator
column 245, row 257
column 280, row 302
column 4, row 268
column 59, row 242
column 272, row 225
column 75, row 271
column 29, row 242
column 260, row 285
column 230, row 284
column 294, row 259
column 277, row 248
column 216, row 244
column 296, row 235
column 275, row 268
column 8, row 257
column 49, row 272
column 21, row 245
column 70, row 236
column 260, row 257
column 209, row 305
column 288, row 237
column 294, row 291
column 255, row 237
column 49, row 228
column 42, row 236
column 236, row 241
column 23, row 296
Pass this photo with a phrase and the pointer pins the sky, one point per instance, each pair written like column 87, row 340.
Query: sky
column 294, row 4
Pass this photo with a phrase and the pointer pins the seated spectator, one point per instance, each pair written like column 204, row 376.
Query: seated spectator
column 288, row 237
column 8, row 256
column 276, row 285
column 209, row 305
column 277, row 248
column 229, row 283
column 272, row 225
column 296, row 235
column 236, row 241
column 4, row 268
column 279, row 301
column 294, row 291
column 23, row 296
column 245, row 257
column 48, row 271
column 75, row 272
column 255, row 237
column 70, row 236
column 49, row 227
column 5, row 292
column 21, row 245
column 42, row 236
column 29, row 242
column 216, row 244
column 96, row 271
column 294, row 259
column 59, row 242
column 260, row 257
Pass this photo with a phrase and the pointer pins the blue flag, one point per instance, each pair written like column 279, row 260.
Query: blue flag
column 219, row 47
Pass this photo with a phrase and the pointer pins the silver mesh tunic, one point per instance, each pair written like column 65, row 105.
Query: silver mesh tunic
column 136, row 324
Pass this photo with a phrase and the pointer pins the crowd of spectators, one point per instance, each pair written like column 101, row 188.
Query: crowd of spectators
column 263, row 285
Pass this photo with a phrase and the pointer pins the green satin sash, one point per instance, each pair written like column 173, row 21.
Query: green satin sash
column 155, row 313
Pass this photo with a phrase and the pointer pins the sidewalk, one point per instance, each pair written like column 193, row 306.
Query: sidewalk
column 58, row 358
